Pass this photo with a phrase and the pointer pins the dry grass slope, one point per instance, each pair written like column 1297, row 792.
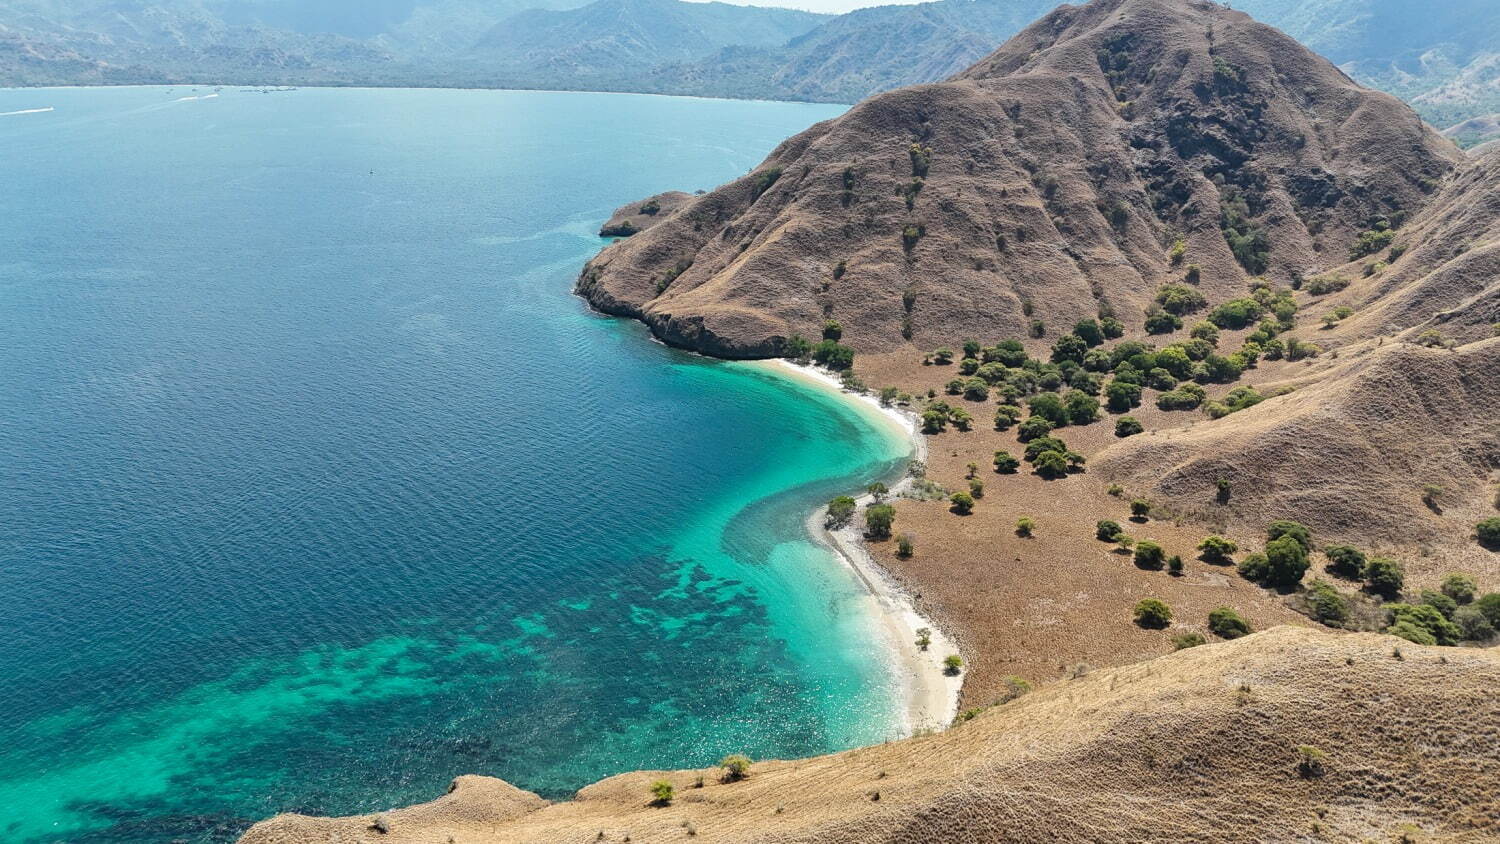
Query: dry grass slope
column 1201, row 745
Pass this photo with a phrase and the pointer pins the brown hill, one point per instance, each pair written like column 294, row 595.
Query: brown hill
column 1046, row 182
column 1201, row 745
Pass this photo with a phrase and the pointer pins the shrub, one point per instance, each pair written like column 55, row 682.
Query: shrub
column 963, row 503
column 1049, row 407
column 962, row 419
column 1473, row 624
column 1128, row 426
column 1174, row 565
column 968, row 366
column 1179, row 299
column 1006, row 415
column 1488, row 533
column 1037, row 328
column 1489, row 604
column 1069, row 347
column 1112, row 328
column 1328, row 606
column 833, row 355
column 1412, row 633
column 1089, row 331
column 934, row 421
column 1310, row 761
column 976, row 389
column 1149, row 555
column 1216, row 549
column 1236, row 313
column 942, row 357
column 1121, row 396
column 1459, row 587
column 1035, row 448
column 662, row 792
column 840, row 511
column 1194, row 274
column 1286, row 527
column 832, row 330
column 976, row 488
column 1024, row 527
column 1162, row 322
column 1108, row 530
column 1286, row 562
column 905, row 545
column 1033, row 428
column 1440, row 602
column 1324, row 284
column 878, row 520
column 1185, row 397
column 1369, row 242
column 1207, row 332
column 1160, row 379
column 736, row 767
column 1150, row 612
column 1140, row 508
column 1384, row 577
column 1442, row 631
column 1006, row 463
column 1183, row 641
column 1254, row 567
column 952, row 664
column 924, row 637
column 1052, row 464
column 1345, row 561
column 1081, row 407
column 1225, row 623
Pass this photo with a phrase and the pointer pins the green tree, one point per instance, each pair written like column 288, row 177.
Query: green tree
column 1052, row 464
column 1286, row 560
column 1345, row 561
column 1107, row 530
column 1149, row 555
column 1459, row 587
column 963, row 503
column 952, row 664
column 934, row 421
column 1140, row 509
column 1473, row 623
column 1121, row 396
column 840, row 511
column 1089, row 331
column 1033, row 428
column 832, row 355
column 832, row 330
column 905, row 545
column 1006, row 415
column 1225, row 623
column 1183, row 641
column 1024, row 527
column 1153, row 613
column 1006, row 463
column 942, row 357
column 1049, row 407
column 1069, row 347
column 878, row 520
column 1128, row 426
column 1489, row 604
column 1162, row 322
column 1442, row 631
column 1286, row 527
column 1328, row 606
column 1384, row 577
column 1488, row 533
column 661, row 792
column 1216, row 549
column 1082, row 408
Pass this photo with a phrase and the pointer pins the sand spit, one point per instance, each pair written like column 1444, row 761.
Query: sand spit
column 931, row 695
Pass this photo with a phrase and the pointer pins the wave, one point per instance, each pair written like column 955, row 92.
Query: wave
column 26, row 111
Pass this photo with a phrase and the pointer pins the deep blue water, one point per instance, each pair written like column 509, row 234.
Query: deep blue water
column 317, row 488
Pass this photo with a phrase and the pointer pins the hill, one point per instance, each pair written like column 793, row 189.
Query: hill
column 1201, row 745
column 1045, row 183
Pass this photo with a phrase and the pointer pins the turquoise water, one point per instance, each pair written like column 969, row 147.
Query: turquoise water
column 317, row 488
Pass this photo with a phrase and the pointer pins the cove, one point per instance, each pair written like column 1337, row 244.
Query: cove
column 318, row 488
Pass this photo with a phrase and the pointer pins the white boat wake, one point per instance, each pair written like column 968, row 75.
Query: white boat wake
column 26, row 111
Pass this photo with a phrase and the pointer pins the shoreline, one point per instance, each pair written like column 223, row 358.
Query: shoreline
column 929, row 694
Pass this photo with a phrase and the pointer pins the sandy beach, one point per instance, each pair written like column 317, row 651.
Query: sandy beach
column 931, row 695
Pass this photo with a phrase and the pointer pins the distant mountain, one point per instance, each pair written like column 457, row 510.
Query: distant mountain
column 616, row 40
column 1443, row 58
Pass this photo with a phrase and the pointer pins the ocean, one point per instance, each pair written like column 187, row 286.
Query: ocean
column 319, row 488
